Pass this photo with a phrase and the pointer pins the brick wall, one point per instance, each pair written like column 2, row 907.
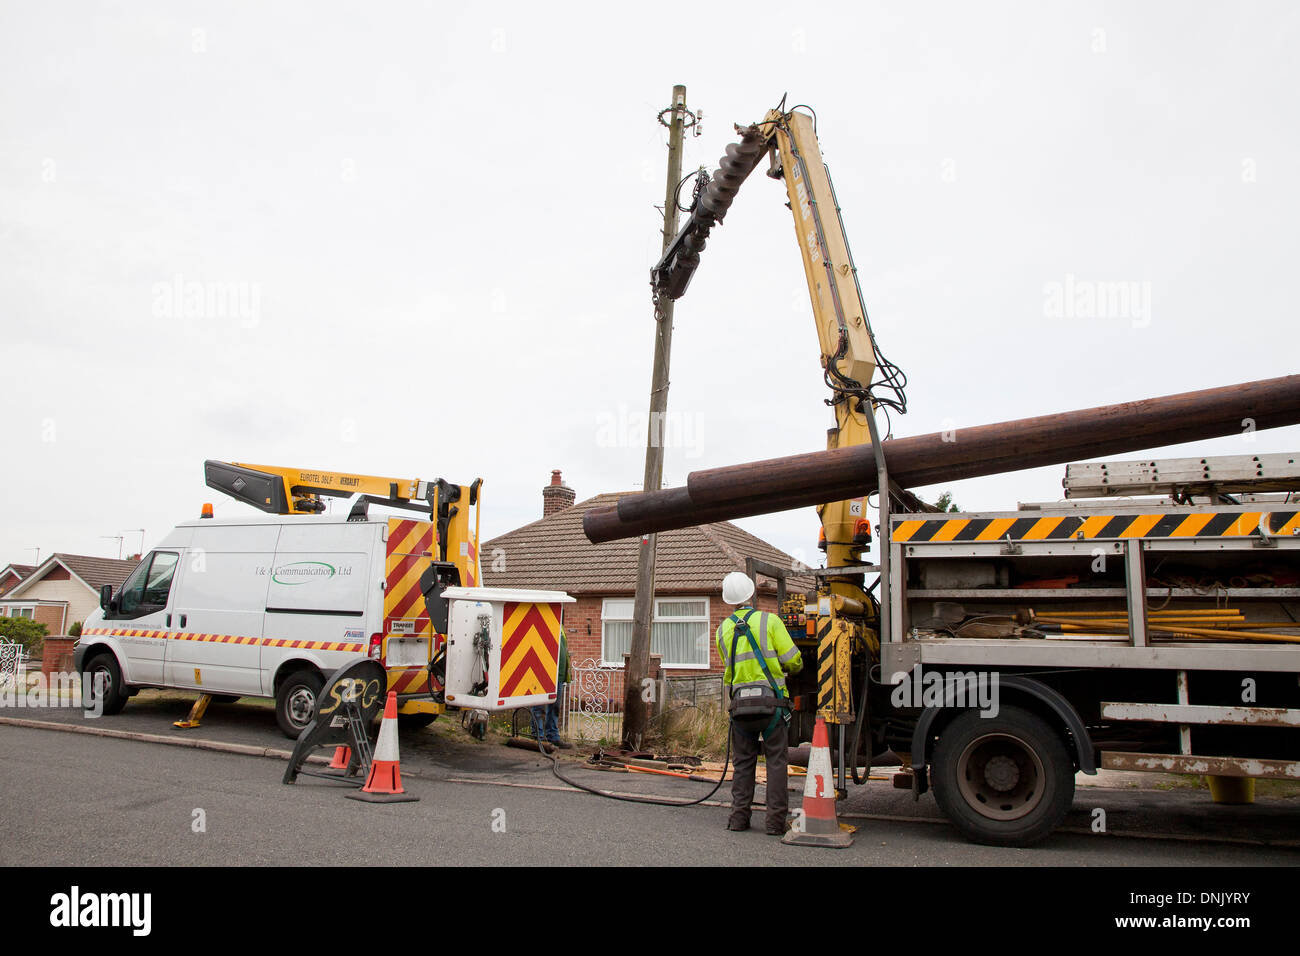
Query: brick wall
column 51, row 615
column 56, row 657
column 582, row 625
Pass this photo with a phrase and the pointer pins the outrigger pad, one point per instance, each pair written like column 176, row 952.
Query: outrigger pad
column 383, row 797
column 363, row 682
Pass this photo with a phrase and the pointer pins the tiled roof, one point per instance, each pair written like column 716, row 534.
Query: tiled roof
column 94, row 571
column 98, row 571
column 554, row 553
column 21, row 572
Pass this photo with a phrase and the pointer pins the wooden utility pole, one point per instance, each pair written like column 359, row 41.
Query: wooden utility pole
column 636, row 709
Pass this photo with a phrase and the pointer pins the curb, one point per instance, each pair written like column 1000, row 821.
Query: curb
column 194, row 743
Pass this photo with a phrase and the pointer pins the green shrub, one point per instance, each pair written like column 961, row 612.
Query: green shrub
column 24, row 631
column 75, row 629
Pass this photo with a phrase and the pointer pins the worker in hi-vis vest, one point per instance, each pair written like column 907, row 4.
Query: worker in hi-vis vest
column 757, row 653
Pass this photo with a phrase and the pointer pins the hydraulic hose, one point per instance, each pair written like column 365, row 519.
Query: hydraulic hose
column 857, row 731
column 555, row 768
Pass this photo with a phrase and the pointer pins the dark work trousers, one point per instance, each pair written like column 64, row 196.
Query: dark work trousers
column 745, row 747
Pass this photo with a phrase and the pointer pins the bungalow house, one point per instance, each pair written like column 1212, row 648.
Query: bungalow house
column 12, row 574
column 553, row 553
column 63, row 589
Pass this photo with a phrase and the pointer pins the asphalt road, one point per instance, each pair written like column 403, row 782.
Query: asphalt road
column 137, row 804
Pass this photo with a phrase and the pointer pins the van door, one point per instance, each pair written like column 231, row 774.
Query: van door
column 217, row 625
column 319, row 595
column 140, row 615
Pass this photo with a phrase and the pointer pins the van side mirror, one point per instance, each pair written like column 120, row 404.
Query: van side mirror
column 105, row 596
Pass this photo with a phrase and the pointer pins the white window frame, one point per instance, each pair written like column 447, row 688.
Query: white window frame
column 27, row 611
column 703, row 618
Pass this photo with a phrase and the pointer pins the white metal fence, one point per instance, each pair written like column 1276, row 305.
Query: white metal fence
column 12, row 665
column 587, row 711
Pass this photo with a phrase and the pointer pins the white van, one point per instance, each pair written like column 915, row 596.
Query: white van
column 269, row 606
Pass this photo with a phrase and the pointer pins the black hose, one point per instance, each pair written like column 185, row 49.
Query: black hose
column 857, row 732
column 555, row 768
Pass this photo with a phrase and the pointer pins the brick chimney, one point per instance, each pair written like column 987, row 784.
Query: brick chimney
column 557, row 495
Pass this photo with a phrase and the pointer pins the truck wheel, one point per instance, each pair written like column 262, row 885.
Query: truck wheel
column 295, row 702
column 104, row 667
column 415, row 721
column 1006, row 780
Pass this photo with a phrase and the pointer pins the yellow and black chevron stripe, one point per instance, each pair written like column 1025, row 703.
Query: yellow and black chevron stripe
column 834, row 670
column 1162, row 524
column 825, row 666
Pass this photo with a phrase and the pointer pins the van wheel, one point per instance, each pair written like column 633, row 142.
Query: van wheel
column 295, row 702
column 415, row 721
column 1006, row 780
column 104, row 668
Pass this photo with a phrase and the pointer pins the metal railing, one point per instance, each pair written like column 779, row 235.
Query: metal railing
column 588, row 713
column 12, row 665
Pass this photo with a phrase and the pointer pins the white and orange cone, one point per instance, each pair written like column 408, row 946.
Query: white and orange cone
column 342, row 757
column 384, row 783
column 819, row 826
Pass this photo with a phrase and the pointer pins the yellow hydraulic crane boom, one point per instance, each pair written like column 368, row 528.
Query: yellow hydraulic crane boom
column 281, row 490
column 847, row 628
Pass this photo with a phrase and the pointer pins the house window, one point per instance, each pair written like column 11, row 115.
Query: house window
column 26, row 612
column 680, row 631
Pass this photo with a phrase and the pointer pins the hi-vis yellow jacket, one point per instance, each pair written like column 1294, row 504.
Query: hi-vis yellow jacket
column 774, row 641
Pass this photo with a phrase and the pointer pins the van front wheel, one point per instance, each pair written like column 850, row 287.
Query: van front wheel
column 295, row 702
column 104, row 677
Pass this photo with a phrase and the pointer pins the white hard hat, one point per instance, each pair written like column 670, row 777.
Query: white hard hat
column 737, row 588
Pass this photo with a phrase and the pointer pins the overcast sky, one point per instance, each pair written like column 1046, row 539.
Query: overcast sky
column 436, row 229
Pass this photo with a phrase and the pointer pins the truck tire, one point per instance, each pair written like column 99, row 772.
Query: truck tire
column 295, row 702
column 1003, row 781
column 103, row 666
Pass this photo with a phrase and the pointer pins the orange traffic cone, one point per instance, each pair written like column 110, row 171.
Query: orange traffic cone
column 819, row 827
column 342, row 757
column 384, row 784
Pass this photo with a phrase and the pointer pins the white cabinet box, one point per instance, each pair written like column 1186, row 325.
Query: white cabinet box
column 503, row 647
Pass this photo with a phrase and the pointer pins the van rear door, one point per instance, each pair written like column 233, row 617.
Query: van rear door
column 410, row 641
column 219, row 609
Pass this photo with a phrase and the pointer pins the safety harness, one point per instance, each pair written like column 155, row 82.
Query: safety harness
column 750, row 702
